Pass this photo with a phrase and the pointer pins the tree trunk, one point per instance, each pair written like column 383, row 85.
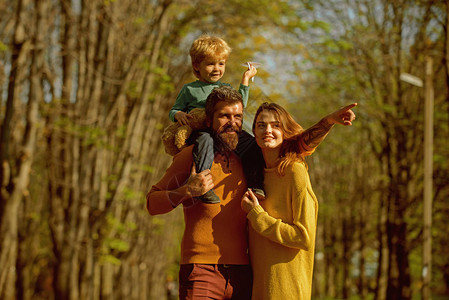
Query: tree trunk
column 15, row 180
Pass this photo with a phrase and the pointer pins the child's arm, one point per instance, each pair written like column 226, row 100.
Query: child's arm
column 177, row 113
column 244, row 85
column 182, row 118
column 248, row 74
column 314, row 135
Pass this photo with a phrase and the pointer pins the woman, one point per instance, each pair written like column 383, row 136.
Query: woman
column 282, row 227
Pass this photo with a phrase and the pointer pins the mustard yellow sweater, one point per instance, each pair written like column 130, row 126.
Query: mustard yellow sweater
column 282, row 236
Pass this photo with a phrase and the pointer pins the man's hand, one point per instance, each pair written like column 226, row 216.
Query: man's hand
column 249, row 201
column 343, row 116
column 199, row 183
column 183, row 118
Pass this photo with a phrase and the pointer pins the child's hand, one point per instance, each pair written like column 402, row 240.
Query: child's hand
column 249, row 73
column 182, row 118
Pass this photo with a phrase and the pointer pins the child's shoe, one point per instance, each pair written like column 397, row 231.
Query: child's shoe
column 210, row 197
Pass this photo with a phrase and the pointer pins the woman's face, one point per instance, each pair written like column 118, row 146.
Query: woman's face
column 267, row 131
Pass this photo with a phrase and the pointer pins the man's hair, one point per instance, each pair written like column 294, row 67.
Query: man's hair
column 222, row 93
column 207, row 46
column 291, row 130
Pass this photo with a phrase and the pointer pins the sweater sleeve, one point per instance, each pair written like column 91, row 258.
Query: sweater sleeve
column 301, row 233
column 180, row 104
column 162, row 198
column 304, row 148
column 244, row 91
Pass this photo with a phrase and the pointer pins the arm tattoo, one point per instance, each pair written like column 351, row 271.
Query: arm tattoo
column 314, row 135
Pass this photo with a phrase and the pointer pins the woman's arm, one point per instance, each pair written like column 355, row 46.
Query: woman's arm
column 314, row 135
column 300, row 234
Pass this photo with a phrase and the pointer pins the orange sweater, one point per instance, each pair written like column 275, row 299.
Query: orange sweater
column 214, row 233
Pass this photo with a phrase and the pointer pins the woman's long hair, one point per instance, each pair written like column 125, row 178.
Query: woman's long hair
column 289, row 152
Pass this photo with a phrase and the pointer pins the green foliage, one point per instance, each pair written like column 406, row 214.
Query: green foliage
column 133, row 90
column 3, row 47
column 147, row 168
column 121, row 228
column 92, row 135
column 320, row 24
column 108, row 2
column 117, row 244
column 145, row 65
column 140, row 21
column 158, row 225
column 120, row 132
column 113, row 246
column 110, row 259
column 131, row 195
column 160, row 126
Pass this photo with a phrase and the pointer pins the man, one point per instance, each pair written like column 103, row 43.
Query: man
column 214, row 256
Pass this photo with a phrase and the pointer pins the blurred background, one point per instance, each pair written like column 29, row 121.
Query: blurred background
column 86, row 86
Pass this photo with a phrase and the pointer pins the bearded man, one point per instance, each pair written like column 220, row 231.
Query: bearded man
column 214, row 257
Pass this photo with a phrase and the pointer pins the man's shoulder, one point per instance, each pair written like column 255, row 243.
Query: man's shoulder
column 184, row 153
column 182, row 161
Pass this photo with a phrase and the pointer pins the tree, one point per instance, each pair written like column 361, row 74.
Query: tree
column 363, row 54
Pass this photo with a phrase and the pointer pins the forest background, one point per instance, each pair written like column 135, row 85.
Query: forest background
column 86, row 86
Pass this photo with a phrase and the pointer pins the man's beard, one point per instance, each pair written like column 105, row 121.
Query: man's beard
column 225, row 141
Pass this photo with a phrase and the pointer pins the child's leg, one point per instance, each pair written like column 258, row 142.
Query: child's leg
column 203, row 157
column 203, row 151
column 252, row 162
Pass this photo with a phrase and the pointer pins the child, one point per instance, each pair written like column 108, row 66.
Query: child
column 209, row 55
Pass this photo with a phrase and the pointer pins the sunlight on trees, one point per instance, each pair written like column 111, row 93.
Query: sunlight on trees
column 85, row 91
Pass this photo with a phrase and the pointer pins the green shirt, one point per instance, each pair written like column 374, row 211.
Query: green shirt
column 194, row 95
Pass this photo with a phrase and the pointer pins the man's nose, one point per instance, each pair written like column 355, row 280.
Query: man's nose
column 232, row 120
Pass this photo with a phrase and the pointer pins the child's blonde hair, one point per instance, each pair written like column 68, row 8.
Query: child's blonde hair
column 207, row 46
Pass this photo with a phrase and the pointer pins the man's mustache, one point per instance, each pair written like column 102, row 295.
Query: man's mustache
column 230, row 126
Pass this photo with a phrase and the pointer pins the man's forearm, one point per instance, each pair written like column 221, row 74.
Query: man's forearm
column 161, row 202
column 314, row 135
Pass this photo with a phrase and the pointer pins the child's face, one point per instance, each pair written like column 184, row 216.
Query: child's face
column 211, row 69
